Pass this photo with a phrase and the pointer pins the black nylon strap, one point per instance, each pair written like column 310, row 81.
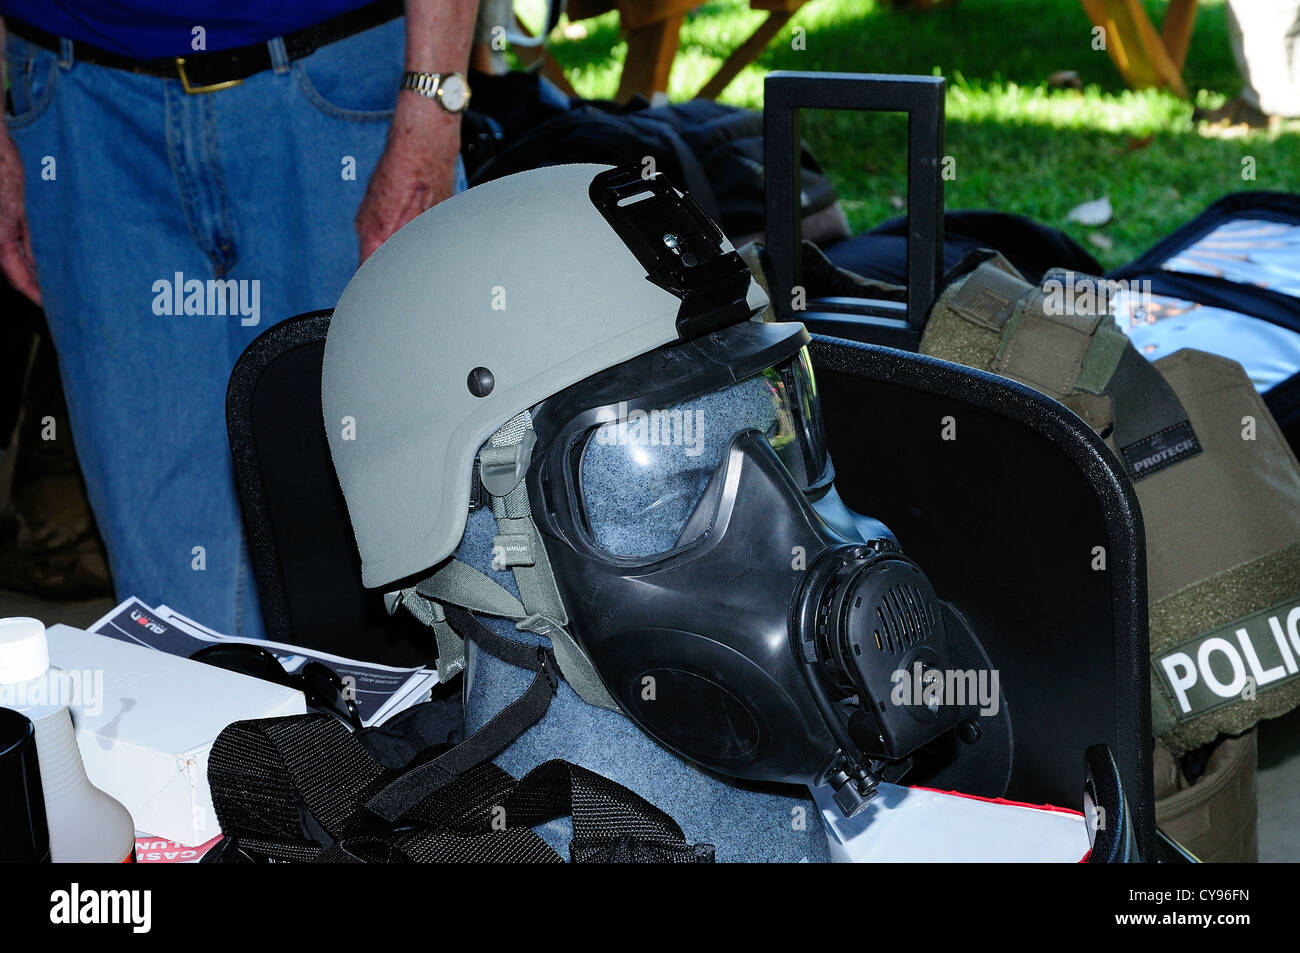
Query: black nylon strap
column 513, row 846
column 611, row 824
column 505, row 726
column 414, row 785
column 462, row 823
column 469, row 627
column 264, row 773
column 305, row 789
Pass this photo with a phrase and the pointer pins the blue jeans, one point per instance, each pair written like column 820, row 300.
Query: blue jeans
column 137, row 195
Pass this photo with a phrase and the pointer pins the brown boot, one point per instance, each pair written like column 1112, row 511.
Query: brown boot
column 49, row 545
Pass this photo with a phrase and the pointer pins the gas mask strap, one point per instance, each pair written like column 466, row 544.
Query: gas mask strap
column 517, row 547
column 415, row 784
column 459, row 584
column 503, row 462
column 574, row 664
column 451, row 647
column 518, row 540
column 456, row 583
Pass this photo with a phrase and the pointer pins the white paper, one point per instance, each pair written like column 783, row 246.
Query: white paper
column 380, row 691
column 904, row 824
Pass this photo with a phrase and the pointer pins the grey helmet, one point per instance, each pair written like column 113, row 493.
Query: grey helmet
column 472, row 313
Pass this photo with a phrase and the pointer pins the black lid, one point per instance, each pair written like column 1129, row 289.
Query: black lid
column 24, row 836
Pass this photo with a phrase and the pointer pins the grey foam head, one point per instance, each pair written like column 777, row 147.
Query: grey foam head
column 522, row 277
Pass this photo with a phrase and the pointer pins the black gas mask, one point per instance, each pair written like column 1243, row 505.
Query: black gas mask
column 731, row 603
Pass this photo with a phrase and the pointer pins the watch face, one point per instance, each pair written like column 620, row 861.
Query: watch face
column 454, row 92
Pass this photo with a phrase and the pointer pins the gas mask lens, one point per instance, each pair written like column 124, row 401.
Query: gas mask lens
column 642, row 475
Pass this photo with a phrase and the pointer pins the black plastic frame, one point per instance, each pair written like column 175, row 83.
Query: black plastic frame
column 1132, row 745
column 875, row 321
column 272, row 344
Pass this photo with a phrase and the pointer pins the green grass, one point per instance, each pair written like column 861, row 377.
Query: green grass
column 1018, row 145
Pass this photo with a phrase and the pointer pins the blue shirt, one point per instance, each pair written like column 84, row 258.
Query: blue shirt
column 151, row 29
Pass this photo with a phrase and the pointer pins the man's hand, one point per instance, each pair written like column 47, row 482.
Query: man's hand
column 15, row 240
column 416, row 171
column 418, row 167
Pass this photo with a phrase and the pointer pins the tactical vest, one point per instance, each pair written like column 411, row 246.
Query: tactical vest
column 1219, row 491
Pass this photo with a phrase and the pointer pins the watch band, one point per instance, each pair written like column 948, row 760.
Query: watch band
column 432, row 85
column 426, row 84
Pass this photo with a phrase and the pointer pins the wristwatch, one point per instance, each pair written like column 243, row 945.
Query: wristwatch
column 451, row 90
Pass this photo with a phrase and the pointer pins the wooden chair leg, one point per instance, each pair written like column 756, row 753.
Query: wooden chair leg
column 1137, row 50
column 650, row 53
column 1176, row 30
column 745, row 54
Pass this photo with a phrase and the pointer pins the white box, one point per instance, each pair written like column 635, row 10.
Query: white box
column 146, row 740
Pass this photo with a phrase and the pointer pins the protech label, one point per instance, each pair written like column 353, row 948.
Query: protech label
column 1162, row 449
column 1232, row 663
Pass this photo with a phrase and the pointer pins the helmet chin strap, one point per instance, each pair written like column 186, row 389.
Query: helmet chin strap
column 503, row 461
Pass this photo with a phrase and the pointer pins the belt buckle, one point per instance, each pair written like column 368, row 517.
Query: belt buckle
column 209, row 88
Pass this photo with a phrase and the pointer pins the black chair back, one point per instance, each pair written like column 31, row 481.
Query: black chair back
column 304, row 555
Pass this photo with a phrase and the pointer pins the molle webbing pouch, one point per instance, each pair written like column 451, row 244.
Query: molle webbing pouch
column 1214, row 815
column 1218, row 487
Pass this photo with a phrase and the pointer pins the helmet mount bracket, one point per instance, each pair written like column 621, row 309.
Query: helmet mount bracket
column 682, row 250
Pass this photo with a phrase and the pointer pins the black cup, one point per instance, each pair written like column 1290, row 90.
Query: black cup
column 24, row 835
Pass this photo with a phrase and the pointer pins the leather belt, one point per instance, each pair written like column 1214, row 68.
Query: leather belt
column 204, row 72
